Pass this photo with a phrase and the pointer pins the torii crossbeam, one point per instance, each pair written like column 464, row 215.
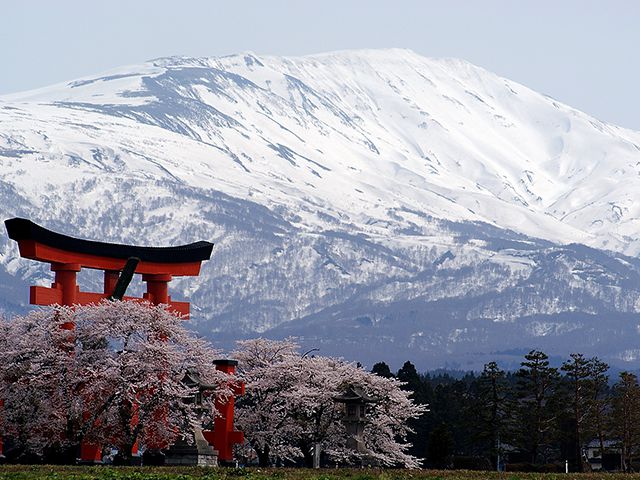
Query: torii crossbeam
column 68, row 255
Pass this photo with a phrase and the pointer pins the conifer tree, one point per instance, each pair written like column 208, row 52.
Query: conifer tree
column 440, row 447
column 491, row 409
column 625, row 416
column 409, row 375
column 382, row 369
column 600, row 400
column 577, row 373
column 536, row 416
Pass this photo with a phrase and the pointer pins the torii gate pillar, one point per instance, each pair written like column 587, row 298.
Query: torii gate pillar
column 224, row 436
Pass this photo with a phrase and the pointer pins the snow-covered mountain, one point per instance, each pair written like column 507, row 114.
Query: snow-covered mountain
column 378, row 204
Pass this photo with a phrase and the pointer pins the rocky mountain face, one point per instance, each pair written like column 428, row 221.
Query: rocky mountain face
column 376, row 204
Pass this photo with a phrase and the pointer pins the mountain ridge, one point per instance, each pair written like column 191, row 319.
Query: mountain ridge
column 341, row 178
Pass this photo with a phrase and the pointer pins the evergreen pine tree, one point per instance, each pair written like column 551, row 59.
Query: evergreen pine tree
column 440, row 447
column 625, row 417
column 536, row 415
column 409, row 375
column 577, row 372
column 382, row 369
column 600, row 400
column 491, row 409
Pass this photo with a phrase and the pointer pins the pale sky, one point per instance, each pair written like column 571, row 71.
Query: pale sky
column 581, row 52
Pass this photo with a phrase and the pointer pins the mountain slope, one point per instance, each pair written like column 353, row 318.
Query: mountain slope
column 343, row 186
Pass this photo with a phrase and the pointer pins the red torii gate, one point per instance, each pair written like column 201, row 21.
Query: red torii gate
column 68, row 255
column 158, row 265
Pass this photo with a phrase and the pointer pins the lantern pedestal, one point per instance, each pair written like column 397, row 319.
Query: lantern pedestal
column 199, row 452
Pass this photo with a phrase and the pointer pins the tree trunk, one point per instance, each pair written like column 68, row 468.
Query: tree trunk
column 125, row 454
column 577, row 433
column 307, row 452
column 601, row 439
column 263, row 456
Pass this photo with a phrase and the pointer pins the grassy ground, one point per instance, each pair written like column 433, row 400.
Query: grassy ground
column 45, row 472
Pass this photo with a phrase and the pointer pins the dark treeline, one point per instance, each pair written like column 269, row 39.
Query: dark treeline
column 535, row 418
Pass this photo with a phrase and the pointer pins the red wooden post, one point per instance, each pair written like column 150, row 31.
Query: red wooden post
column 157, row 288
column 90, row 452
column 110, row 280
column 223, row 436
column 66, row 281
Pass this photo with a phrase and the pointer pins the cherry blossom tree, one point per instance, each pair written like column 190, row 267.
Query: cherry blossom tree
column 114, row 379
column 261, row 413
column 289, row 407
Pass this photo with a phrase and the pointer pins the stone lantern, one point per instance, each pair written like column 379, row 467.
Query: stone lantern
column 197, row 451
column 355, row 402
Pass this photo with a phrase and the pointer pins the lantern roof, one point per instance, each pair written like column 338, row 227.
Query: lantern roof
column 192, row 379
column 354, row 394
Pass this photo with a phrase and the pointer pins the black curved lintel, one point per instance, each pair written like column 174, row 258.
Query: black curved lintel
column 23, row 229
